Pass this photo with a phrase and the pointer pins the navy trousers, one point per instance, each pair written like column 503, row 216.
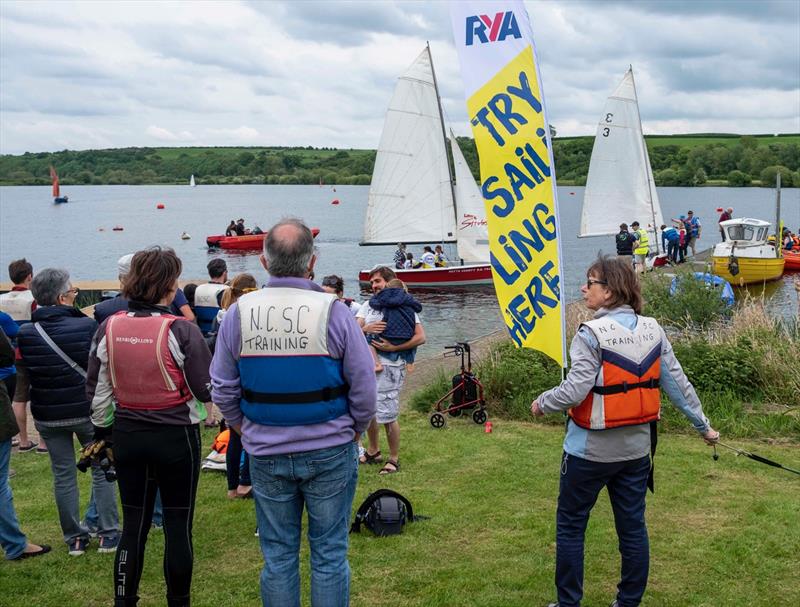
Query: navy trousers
column 581, row 483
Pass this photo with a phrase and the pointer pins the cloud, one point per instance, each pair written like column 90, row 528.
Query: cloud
column 322, row 73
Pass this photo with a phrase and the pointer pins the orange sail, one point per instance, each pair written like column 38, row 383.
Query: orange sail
column 54, row 177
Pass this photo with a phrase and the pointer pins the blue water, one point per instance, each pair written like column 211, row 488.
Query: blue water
column 70, row 236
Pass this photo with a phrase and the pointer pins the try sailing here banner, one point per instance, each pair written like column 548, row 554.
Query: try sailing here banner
column 509, row 122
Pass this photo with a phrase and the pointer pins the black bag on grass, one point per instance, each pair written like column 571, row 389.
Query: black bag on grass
column 384, row 512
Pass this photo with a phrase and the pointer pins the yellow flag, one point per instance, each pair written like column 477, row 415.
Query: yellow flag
column 509, row 122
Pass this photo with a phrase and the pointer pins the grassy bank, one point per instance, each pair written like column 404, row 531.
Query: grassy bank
column 739, row 361
column 728, row 526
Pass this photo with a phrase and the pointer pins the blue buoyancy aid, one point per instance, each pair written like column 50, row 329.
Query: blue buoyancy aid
column 206, row 304
column 287, row 374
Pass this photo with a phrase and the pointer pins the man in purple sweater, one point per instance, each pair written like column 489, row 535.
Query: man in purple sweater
column 293, row 375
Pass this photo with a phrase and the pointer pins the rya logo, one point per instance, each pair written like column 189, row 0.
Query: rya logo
column 486, row 29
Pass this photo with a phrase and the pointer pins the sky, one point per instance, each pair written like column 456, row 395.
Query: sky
column 94, row 75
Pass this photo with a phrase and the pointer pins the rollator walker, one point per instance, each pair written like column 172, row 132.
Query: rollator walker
column 467, row 392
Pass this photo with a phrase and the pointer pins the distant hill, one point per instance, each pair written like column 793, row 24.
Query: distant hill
column 684, row 160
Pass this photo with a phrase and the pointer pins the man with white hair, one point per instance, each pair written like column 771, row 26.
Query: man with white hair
column 725, row 216
column 111, row 306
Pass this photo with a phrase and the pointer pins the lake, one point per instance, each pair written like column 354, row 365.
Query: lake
column 70, row 236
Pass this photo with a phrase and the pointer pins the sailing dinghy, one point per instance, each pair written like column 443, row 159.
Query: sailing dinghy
column 57, row 197
column 414, row 198
column 620, row 186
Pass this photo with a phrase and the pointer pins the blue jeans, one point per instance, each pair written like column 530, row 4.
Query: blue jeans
column 581, row 482
column 12, row 539
column 672, row 251
column 324, row 481
column 91, row 519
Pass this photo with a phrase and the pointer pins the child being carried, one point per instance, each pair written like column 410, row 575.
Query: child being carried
column 400, row 315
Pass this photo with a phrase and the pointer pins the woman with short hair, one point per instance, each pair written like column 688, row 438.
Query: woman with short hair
column 54, row 352
column 148, row 382
column 620, row 361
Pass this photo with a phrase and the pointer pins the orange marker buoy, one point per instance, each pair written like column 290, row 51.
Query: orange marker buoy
column 335, row 201
column 160, row 205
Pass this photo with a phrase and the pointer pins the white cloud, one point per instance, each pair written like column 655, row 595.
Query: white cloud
column 322, row 73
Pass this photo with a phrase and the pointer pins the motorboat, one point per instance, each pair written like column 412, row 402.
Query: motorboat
column 746, row 256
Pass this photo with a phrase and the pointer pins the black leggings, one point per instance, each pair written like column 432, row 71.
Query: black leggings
column 238, row 473
column 164, row 458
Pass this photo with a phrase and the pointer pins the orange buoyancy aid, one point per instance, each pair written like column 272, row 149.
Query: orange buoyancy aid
column 626, row 391
column 143, row 371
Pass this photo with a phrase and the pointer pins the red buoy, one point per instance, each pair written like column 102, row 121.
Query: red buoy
column 160, row 205
column 335, row 201
column 719, row 209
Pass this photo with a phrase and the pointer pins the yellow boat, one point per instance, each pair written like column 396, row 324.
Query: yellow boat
column 746, row 257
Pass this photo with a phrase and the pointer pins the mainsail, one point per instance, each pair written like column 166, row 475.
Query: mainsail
column 411, row 198
column 472, row 230
column 191, row 181
column 620, row 186
column 56, row 188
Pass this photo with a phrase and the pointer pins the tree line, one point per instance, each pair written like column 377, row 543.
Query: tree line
column 688, row 161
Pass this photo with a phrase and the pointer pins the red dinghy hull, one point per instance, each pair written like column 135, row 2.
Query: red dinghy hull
column 248, row 242
column 451, row 276
column 792, row 260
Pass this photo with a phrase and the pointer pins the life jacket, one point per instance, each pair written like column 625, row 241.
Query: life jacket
column 143, row 372
column 206, row 304
column 287, row 374
column 17, row 304
column 624, row 243
column 643, row 244
column 626, row 391
column 221, row 440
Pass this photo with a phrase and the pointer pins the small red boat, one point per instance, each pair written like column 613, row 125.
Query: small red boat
column 248, row 242
column 450, row 276
column 792, row 260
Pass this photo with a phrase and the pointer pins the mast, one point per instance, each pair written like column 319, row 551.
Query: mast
column 444, row 139
column 647, row 167
column 778, row 235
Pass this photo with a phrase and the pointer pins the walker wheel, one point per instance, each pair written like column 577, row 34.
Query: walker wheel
column 479, row 416
column 454, row 413
column 438, row 420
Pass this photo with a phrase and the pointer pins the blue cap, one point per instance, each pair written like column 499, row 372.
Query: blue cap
column 682, row 217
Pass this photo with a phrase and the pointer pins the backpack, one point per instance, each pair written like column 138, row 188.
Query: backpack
column 384, row 512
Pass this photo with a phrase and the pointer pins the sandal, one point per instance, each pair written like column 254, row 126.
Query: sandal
column 395, row 467
column 375, row 458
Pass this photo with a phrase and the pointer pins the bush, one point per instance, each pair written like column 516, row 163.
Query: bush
column 693, row 304
column 738, row 179
column 769, row 174
column 719, row 368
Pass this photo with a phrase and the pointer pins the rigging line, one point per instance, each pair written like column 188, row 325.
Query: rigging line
column 757, row 458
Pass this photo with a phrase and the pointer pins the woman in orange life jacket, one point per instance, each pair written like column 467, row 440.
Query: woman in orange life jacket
column 620, row 360
column 237, row 471
column 147, row 383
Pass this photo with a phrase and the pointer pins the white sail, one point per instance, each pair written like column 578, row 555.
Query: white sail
column 620, row 186
column 471, row 227
column 191, row 181
column 410, row 199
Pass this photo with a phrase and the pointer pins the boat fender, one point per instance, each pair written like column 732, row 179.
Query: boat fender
column 733, row 265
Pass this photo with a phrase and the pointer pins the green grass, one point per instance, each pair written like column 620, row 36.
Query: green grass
column 722, row 533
